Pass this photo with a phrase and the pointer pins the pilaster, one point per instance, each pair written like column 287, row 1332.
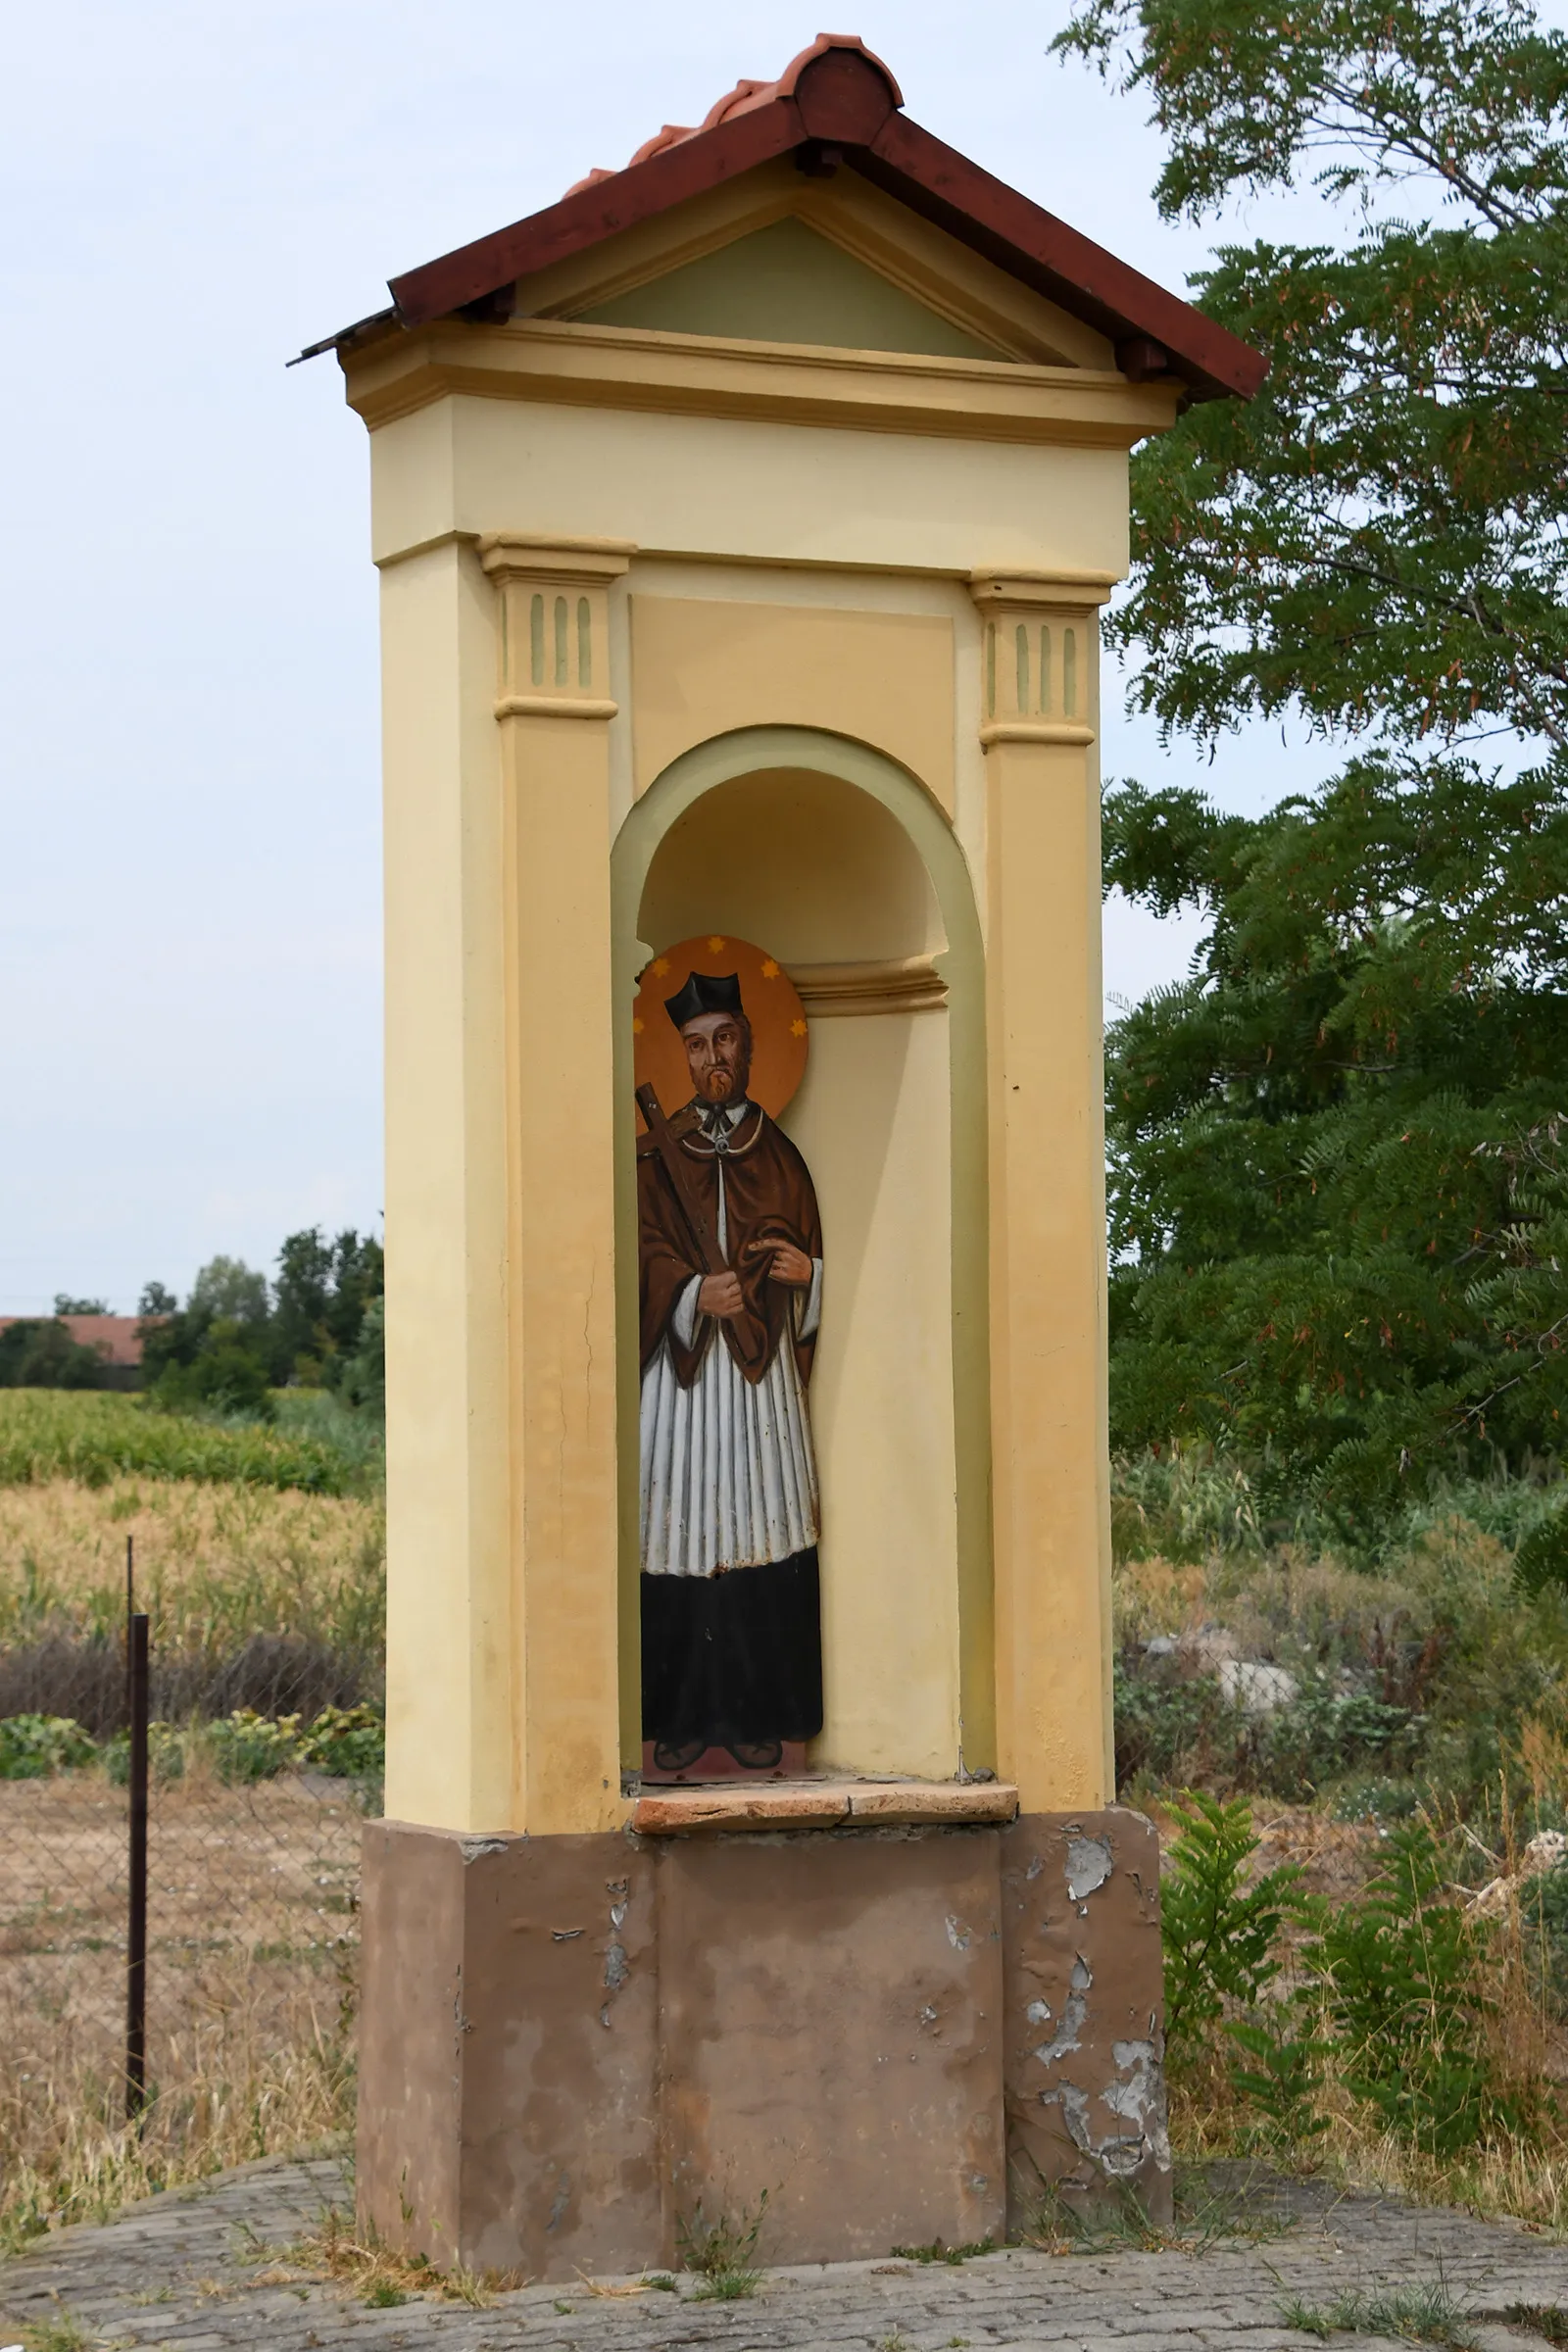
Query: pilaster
column 552, row 706
column 1050, row 1469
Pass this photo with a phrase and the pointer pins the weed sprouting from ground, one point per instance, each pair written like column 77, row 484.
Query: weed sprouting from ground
column 722, row 2252
column 63, row 2331
column 936, row 2251
column 1203, row 2218
column 1426, row 2314
column 358, row 2257
column 1542, row 2318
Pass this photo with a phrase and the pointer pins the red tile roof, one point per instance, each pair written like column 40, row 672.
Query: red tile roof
column 114, row 1338
column 840, row 101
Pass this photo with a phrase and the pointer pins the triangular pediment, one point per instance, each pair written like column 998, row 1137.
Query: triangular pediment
column 774, row 257
column 787, row 283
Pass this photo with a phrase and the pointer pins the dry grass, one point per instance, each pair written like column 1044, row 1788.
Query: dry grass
column 351, row 2255
column 251, row 1979
column 214, row 1563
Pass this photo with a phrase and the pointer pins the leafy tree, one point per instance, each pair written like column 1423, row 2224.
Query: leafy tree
column 323, row 1289
column 157, row 1300
column 42, row 1354
column 1375, row 539
column 235, row 1338
column 223, row 1372
column 213, row 1350
column 1338, row 1172
column 227, row 1288
column 64, row 1304
column 364, row 1381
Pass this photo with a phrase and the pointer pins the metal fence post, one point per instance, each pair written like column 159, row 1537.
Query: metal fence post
column 137, row 1660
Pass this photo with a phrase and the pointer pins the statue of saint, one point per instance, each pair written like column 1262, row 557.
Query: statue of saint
column 731, row 1294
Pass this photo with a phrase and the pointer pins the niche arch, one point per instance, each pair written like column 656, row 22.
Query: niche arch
column 895, row 887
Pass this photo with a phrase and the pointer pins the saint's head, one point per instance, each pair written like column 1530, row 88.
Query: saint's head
column 717, row 1034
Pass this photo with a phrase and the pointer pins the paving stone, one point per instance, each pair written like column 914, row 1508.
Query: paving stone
column 186, row 2272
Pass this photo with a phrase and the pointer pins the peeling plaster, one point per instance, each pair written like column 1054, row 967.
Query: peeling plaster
column 957, row 1934
column 474, row 1849
column 1090, row 1863
column 1137, row 2099
column 1068, row 2034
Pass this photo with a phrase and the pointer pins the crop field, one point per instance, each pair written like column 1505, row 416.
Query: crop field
column 259, row 1560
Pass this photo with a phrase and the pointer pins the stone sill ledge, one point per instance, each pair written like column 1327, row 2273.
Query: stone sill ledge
column 822, row 1805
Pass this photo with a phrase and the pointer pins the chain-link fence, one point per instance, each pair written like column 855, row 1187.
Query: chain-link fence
column 251, row 1893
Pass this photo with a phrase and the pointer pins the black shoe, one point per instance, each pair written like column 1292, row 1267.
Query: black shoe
column 758, row 1755
column 678, row 1755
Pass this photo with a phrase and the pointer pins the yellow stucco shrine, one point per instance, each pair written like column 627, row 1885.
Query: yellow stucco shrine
column 743, row 521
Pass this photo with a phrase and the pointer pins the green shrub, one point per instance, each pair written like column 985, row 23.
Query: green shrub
column 32, row 1747
column 246, row 1746
column 1172, row 1728
column 348, row 1742
column 166, row 1754
column 1325, row 1732
column 1543, row 1907
column 1221, row 1934
column 227, row 1375
column 1400, row 1970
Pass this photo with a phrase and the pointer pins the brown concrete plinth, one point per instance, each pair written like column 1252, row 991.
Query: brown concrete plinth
column 896, row 2031
column 831, row 2011
column 1085, row 2010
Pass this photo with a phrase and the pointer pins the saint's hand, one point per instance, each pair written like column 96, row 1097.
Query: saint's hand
column 789, row 1264
column 720, row 1295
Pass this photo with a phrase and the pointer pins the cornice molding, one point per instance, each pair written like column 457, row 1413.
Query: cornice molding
column 566, row 362
column 539, row 556
column 900, row 984
column 1040, row 591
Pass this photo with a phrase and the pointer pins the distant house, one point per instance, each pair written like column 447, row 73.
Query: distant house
column 114, row 1339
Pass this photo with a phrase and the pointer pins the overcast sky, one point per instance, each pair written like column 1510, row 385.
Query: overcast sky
column 190, row 860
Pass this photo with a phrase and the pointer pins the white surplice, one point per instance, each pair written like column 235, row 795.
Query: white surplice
column 728, row 1473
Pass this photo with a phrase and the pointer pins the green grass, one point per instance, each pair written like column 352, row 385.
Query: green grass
column 936, row 2251
column 722, row 2252
column 1415, row 2315
column 95, row 1436
column 1542, row 2318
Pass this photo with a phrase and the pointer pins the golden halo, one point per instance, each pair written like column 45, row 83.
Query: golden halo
column 777, row 1016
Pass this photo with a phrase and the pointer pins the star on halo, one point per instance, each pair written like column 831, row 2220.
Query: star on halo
column 713, row 946
column 797, row 1028
column 769, row 969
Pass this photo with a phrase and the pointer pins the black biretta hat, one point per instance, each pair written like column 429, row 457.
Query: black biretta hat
column 705, row 992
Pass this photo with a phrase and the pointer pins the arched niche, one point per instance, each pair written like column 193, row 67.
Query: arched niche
column 836, row 859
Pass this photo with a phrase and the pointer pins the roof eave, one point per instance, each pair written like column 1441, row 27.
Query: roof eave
column 841, row 97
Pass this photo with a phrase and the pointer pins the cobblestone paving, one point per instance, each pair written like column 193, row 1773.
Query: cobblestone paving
column 205, row 2270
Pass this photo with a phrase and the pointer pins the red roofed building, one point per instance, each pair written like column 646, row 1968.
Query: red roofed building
column 114, row 1339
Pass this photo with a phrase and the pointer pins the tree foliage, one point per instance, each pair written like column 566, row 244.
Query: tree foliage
column 1376, row 539
column 40, row 1354
column 238, row 1337
column 1338, row 1154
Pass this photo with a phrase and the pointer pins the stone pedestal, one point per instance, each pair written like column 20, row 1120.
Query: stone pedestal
column 896, row 2031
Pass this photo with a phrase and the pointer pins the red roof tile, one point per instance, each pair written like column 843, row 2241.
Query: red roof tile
column 837, row 95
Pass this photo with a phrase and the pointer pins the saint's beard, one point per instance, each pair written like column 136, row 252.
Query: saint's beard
column 721, row 1084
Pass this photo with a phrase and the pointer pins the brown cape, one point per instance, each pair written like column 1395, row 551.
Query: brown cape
column 769, row 1196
